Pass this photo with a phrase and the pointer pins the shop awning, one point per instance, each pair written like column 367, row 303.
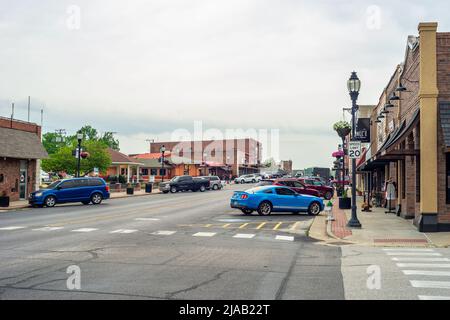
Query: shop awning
column 406, row 129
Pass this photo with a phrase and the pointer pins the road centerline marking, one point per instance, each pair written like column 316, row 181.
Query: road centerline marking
column 244, row 225
column 277, row 226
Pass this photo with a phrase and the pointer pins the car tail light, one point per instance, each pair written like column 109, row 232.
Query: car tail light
column 107, row 188
column 244, row 196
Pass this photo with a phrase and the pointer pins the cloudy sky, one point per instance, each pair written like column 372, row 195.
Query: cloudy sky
column 146, row 68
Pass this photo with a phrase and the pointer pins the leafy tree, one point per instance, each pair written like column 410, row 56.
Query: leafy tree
column 109, row 141
column 89, row 132
column 63, row 160
column 51, row 143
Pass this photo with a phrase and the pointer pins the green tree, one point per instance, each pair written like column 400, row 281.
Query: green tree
column 63, row 160
column 51, row 143
column 109, row 140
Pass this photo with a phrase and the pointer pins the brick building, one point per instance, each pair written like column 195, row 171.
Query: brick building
column 20, row 151
column 410, row 140
column 237, row 156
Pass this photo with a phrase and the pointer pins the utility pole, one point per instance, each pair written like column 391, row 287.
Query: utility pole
column 12, row 114
column 29, row 103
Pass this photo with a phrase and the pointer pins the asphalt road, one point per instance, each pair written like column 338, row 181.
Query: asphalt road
column 165, row 246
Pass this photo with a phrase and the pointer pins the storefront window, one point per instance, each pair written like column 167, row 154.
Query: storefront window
column 154, row 172
column 162, row 172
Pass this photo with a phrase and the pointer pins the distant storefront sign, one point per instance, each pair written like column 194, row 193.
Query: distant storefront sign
column 363, row 130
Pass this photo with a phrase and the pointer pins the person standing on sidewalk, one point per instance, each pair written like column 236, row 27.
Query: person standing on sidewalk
column 390, row 192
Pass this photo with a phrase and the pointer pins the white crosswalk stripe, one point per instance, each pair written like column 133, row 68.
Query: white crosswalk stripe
column 431, row 284
column 147, row 219
column 433, row 298
column 422, row 259
column 244, row 236
column 126, row 231
column 204, row 234
column 434, row 254
column 407, row 250
column 48, row 229
column 84, row 230
column 284, row 238
column 423, row 265
column 11, row 228
column 164, row 233
column 426, row 273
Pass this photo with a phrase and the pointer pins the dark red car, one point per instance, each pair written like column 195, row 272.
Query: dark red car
column 324, row 191
column 293, row 184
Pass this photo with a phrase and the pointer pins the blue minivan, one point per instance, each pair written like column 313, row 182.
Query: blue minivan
column 84, row 190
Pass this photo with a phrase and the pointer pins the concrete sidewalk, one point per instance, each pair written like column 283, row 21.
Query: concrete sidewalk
column 378, row 229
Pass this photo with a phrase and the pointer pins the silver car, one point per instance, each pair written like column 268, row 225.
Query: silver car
column 214, row 182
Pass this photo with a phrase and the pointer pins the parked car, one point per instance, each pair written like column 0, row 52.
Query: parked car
column 268, row 199
column 45, row 177
column 214, row 182
column 297, row 186
column 85, row 190
column 184, row 183
column 325, row 191
column 248, row 178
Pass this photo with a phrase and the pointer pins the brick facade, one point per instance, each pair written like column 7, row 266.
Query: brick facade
column 10, row 167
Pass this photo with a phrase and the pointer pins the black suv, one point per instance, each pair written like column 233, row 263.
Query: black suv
column 184, row 183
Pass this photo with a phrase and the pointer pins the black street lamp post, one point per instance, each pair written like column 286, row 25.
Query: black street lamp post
column 79, row 138
column 354, row 85
column 163, row 150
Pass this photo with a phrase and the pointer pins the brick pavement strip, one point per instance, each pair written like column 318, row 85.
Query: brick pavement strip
column 339, row 225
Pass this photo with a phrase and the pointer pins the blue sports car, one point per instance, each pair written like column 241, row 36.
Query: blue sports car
column 268, row 199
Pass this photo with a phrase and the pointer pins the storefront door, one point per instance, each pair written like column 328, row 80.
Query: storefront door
column 23, row 178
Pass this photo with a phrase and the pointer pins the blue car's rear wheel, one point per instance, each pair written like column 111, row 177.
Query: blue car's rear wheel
column 96, row 198
column 314, row 209
column 265, row 208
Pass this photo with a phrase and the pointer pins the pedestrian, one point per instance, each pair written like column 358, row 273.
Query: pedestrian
column 390, row 189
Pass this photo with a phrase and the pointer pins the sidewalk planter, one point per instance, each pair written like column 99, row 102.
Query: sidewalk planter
column 130, row 190
column 345, row 203
column 148, row 187
column 4, row 201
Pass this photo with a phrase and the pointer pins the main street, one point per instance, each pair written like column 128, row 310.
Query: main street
column 164, row 246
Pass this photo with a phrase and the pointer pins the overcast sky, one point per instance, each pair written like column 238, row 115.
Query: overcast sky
column 145, row 68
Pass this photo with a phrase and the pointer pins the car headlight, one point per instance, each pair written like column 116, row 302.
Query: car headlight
column 38, row 194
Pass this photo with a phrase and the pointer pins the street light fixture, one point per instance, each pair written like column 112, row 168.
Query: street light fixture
column 354, row 85
column 162, row 150
column 401, row 88
column 79, row 138
column 394, row 97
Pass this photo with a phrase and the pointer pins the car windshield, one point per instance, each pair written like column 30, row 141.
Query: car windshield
column 53, row 185
column 256, row 190
column 174, row 179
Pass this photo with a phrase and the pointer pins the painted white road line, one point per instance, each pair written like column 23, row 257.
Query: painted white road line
column 244, row 236
column 433, row 298
column 423, row 265
column 163, row 233
column 408, row 250
column 85, row 230
column 426, row 273
column 124, row 231
column 11, row 228
column 147, row 219
column 48, row 229
column 430, row 284
column 204, row 234
column 422, row 259
column 284, row 238
column 417, row 254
